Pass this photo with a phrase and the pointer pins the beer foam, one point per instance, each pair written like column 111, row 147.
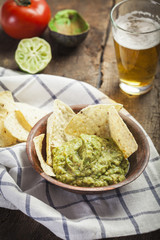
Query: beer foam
column 138, row 32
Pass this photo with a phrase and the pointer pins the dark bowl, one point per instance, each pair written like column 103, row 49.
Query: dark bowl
column 138, row 160
column 68, row 40
column 62, row 35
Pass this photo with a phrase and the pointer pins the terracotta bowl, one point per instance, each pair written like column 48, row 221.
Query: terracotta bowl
column 138, row 160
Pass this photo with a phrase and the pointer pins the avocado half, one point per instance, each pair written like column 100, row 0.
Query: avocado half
column 68, row 28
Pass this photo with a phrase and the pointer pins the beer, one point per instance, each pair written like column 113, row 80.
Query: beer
column 137, row 55
column 136, row 36
column 137, row 67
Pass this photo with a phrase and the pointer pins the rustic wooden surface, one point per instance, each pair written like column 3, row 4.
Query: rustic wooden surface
column 93, row 62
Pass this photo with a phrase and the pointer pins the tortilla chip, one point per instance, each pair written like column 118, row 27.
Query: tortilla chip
column 6, row 139
column 16, row 119
column 50, row 123
column 38, row 146
column 13, row 126
column 56, row 124
column 7, row 103
column 28, row 115
column 121, row 134
column 3, row 112
column 92, row 120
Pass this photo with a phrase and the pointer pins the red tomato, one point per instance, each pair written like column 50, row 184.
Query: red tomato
column 20, row 21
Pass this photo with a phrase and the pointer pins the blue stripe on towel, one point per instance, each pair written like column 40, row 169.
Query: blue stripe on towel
column 126, row 209
column 103, row 233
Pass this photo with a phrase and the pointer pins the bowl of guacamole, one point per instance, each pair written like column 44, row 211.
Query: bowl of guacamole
column 86, row 163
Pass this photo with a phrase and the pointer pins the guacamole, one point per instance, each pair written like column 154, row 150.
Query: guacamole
column 89, row 161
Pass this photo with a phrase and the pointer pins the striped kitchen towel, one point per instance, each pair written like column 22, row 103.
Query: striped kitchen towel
column 132, row 209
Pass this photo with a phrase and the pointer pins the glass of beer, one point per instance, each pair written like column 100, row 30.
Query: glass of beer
column 136, row 34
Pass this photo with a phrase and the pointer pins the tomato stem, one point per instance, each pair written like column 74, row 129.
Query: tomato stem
column 23, row 2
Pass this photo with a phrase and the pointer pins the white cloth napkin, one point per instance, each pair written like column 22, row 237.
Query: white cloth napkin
column 132, row 209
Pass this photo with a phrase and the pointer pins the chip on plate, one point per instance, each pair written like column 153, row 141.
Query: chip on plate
column 13, row 126
column 16, row 119
column 7, row 103
column 28, row 115
column 6, row 139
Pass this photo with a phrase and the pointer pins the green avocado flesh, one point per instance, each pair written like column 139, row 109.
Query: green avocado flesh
column 89, row 161
column 68, row 22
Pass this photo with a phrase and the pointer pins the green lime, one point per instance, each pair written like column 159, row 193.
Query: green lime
column 33, row 54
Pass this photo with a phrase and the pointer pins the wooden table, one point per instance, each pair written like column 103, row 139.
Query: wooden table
column 93, row 62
